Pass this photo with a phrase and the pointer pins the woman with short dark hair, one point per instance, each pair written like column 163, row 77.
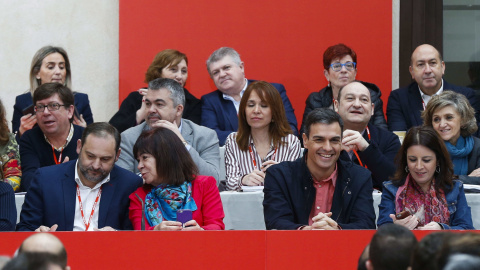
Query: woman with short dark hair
column 172, row 185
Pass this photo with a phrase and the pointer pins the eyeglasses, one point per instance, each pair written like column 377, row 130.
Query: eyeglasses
column 348, row 65
column 51, row 107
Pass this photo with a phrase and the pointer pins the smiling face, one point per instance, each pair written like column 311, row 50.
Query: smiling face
column 421, row 162
column 147, row 165
column 427, row 69
column 355, row 106
column 447, row 123
column 340, row 78
column 52, row 69
column 228, row 76
column 160, row 106
column 96, row 157
column 54, row 123
column 324, row 145
column 178, row 73
column 257, row 112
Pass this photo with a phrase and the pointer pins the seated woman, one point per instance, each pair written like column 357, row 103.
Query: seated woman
column 340, row 69
column 172, row 184
column 453, row 118
column 422, row 194
column 8, row 210
column 170, row 64
column 264, row 137
column 11, row 171
column 49, row 64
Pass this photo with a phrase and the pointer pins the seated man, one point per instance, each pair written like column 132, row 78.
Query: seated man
column 53, row 140
column 319, row 191
column 405, row 105
column 364, row 143
column 84, row 194
column 220, row 107
column 391, row 248
column 164, row 101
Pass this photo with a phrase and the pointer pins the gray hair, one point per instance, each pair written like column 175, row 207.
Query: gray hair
column 462, row 106
column 37, row 64
column 220, row 54
column 176, row 90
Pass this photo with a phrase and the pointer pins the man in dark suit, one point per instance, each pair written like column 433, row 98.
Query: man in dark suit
column 364, row 143
column 220, row 107
column 405, row 105
column 87, row 194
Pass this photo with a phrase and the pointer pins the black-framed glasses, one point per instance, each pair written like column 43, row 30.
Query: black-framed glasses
column 51, row 107
column 348, row 65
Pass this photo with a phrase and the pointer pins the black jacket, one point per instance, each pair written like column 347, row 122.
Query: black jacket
column 324, row 99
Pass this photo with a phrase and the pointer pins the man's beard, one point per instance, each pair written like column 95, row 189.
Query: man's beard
column 86, row 171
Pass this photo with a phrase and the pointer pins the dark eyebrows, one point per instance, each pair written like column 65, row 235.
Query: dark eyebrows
column 156, row 100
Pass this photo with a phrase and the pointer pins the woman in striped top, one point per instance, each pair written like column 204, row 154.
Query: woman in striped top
column 264, row 137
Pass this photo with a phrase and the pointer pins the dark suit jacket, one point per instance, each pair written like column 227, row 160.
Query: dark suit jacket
column 23, row 101
column 379, row 155
column 404, row 105
column 290, row 194
column 220, row 114
column 52, row 196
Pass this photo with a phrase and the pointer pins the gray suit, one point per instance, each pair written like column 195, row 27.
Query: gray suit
column 203, row 143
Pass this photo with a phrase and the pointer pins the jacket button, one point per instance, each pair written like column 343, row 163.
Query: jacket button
column 349, row 192
column 305, row 188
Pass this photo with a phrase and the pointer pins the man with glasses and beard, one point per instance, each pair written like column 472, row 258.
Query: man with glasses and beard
column 90, row 193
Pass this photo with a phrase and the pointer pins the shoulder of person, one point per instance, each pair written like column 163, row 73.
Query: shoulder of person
column 126, row 176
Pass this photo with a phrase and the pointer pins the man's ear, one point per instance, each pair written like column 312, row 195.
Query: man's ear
column 179, row 111
column 335, row 105
column 410, row 68
column 118, row 154
column 305, row 140
column 373, row 109
column 79, row 146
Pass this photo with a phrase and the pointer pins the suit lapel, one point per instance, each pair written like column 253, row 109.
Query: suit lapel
column 69, row 196
column 187, row 132
column 416, row 107
column 108, row 191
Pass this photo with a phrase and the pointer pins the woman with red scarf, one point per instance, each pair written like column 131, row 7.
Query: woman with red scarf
column 423, row 193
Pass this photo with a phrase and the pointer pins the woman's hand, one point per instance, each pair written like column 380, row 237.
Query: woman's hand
column 267, row 164
column 168, row 226
column 192, row 225
column 431, row 226
column 142, row 112
column 475, row 173
column 27, row 122
column 79, row 121
column 255, row 178
column 409, row 222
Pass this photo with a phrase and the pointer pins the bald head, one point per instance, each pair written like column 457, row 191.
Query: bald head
column 427, row 68
column 45, row 242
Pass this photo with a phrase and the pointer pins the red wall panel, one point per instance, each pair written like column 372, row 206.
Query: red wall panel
column 280, row 41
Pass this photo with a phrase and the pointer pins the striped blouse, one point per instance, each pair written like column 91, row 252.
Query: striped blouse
column 239, row 163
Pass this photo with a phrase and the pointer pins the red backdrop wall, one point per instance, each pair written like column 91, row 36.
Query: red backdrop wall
column 279, row 40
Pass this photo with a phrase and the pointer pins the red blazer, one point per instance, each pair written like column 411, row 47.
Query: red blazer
column 209, row 214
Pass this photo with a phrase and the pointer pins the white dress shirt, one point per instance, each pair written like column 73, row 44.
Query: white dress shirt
column 236, row 103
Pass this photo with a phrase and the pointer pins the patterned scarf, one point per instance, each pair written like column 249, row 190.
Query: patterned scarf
column 426, row 206
column 459, row 154
column 163, row 201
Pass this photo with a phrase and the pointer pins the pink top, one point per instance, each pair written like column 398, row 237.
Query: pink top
column 324, row 195
column 209, row 214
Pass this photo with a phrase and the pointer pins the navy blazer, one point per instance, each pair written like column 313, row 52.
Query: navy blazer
column 52, row 197
column 220, row 115
column 290, row 195
column 23, row 101
column 404, row 105
column 379, row 155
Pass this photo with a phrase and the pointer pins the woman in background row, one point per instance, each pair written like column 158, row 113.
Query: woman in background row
column 340, row 69
column 49, row 64
column 11, row 171
column 170, row 64
column 453, row 118
column 172, row 184
column 264, row 137
column 423, row 194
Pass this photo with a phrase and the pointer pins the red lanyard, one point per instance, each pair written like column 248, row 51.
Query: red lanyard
column 355, row 152
column 57, row 161
column 423, row 104
column 93, row 207
column 253, row 157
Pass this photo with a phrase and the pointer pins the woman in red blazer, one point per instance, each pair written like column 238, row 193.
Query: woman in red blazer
column 171, row 186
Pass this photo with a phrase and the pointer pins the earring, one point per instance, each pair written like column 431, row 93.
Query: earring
column 328, row 83
column 406, row 169
column 437, row 169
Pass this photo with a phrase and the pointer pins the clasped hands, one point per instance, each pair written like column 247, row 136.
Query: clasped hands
column 411, row 223
column 353, row 140
column 323, row 221
column 166, row 225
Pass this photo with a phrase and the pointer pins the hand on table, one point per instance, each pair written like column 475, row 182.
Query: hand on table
column 168, row 226
column 323, row 221
column 192, row 225
column 255, row 178
column 47, row 229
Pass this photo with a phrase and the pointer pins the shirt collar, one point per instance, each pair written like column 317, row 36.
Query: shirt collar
column 69, row 137
column 81, row 185
column 426, row 98
column 228, row 97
